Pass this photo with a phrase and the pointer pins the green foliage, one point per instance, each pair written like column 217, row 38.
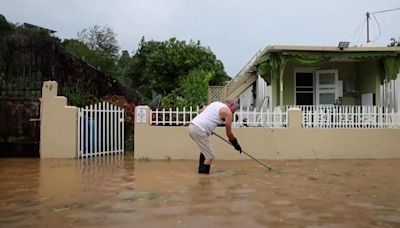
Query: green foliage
column 78, row 48
column 5, row 27
column 98, row 46
column 394, row 42
column 98, row 59
column 161, row 66
column 100, row 39
column 5, row 30
column 129, row 110
column 78, row 94
column 195, row 87
column 179, row 71
column 123, row 68
column 193, row 90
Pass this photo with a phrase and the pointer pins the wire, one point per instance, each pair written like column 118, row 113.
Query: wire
column 383, row 11
column 362, row 31
column 354, row 33
column 380, row 31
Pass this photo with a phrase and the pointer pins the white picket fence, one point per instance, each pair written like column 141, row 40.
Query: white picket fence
column 242, row 117
column 321, row 116
column 351, row 116
column 100, row 130
column 173, row 117
column 254, row 118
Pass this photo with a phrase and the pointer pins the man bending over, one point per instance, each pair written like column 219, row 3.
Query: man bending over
column 204, row 124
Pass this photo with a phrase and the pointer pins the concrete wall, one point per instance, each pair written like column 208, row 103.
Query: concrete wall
column 294, row 142
column 58, row 128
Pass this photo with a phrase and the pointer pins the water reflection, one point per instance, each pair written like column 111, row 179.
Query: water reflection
column 19, row 193
column 118, row 191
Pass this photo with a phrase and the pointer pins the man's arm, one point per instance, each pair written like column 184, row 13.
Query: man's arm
column 226, row 115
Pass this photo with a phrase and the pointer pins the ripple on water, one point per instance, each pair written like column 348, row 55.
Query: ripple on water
column 124, row 206
column 389, row 218
column 127, row 194
column 367, row 205
column 281, row 203
column 301, row 215
column 242, row 190
column 331, row 225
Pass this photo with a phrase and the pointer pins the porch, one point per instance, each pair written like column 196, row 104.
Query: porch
column 317, row 75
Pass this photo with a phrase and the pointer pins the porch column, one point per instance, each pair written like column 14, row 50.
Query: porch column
column 281, row 89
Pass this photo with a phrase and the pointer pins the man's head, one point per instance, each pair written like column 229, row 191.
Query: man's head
column 232, row 105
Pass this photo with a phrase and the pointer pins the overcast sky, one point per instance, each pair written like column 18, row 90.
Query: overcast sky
column 234, row 29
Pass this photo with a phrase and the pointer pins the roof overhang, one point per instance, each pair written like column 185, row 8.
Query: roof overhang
column 273, row 58
column 280, row 48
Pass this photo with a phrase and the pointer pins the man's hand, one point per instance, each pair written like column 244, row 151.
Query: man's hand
column 236, row 144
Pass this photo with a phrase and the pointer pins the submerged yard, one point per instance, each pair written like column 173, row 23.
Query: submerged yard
column 120, row 192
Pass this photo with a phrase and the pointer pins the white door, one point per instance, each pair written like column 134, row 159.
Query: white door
column 326, row 82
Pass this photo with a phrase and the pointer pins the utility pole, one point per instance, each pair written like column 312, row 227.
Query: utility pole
column 368, row 27
column 368, row 14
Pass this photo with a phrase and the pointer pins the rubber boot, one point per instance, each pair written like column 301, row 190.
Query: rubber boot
column 201, row 159
column 204, row 169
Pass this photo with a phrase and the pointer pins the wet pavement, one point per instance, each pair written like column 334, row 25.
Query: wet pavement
column 117, row 191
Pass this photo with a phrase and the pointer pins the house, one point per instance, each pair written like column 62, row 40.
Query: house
column 297, row 102
column 318, row 75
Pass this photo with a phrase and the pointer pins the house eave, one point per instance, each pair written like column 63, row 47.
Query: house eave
column 280, row 48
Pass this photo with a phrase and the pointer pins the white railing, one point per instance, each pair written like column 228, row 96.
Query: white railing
column 331, row 116
column 173, row 117
column 254, row 118
column 242, row 117
column 321, row 116
column 100, row 130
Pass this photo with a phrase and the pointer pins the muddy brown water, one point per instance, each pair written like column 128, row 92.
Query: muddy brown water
column 118, row 191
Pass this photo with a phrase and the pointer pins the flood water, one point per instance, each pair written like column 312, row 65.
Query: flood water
column 118, row 191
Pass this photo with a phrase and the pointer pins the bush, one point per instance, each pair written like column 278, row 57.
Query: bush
column 129, row 108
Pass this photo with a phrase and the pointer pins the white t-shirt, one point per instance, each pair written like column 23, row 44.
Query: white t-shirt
column 209, row 118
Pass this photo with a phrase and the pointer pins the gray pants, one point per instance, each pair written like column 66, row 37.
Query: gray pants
column 201, row 138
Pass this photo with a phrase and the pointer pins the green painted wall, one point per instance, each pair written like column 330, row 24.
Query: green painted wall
column 363, row 75
column 368, row 78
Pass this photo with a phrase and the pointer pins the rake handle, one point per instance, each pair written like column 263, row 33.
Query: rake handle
column 255, row 159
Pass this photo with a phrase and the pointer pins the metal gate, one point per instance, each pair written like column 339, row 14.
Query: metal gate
column 100, row 130
column 19, row 127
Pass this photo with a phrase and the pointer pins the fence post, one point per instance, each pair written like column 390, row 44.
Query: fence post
column 58, row 139
column 294, row 118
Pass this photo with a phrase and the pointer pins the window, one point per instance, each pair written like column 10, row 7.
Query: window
column 304, row 83
column 326, row 86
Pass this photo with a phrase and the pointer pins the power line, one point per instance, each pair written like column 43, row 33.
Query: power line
column 379, row 27
column 354, row 34
column 376, row 12
column 384, row 11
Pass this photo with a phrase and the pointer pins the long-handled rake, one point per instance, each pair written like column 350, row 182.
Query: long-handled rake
column 255, row 159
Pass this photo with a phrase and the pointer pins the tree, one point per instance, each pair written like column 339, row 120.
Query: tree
column 193, row 90
column 394, row 42
column 5, row 30
column 5, row 27
column 161, row 66
column 100, row 39
column 98, row 46
column 123, row 64
column 101, row 61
